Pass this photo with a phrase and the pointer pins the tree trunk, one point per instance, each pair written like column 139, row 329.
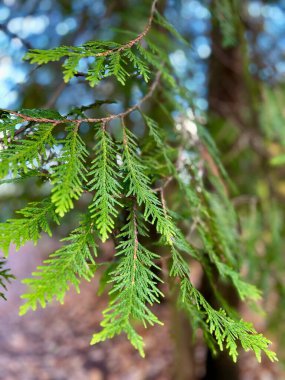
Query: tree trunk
column 227, row 98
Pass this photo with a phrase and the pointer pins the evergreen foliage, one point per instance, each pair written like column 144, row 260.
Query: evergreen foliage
column 135, row 286
column 138, row 185
column 110, row 59
column 226, row 330
column 34, row 219
column 66, row 266
column 26, row 153
column 69, row 174
column 104, row 176
column 129, row 194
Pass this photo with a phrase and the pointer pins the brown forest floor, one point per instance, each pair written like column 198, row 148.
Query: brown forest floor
column 53, row 344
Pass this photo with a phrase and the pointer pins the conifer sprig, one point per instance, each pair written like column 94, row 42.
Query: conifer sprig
column 157, row 134
column 26, row 153
column 109, row 57
column 139, row 186
column 66, row 266
column 33, row 219
column 133, row 173
column 8, row 124
column 135, row 286
column 69, row 175
column 104, row 180
column 227, row 331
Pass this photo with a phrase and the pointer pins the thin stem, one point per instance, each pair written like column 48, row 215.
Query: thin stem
column 110, row 117
column 105, row 119
column 165, row 184
column 135, row 40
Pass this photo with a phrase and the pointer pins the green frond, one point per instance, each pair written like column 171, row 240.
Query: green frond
column 189, row 192
column 244, row 289
column 139, row 186
column 70, row 67
column 33, row 219
column 73, row 54
column 129, row 187
column 29, row 174
column 115, row 67
column 158, row 51
column 134, row 287
column 179, row 267
column 69, row 175
column 45, row 56
column 156, row 133
column 224, row 228
column 154, row 130
column 96, row 72
column 26, row 153
column 226, row 331
column 8, row 124
column 66, row 266
column 111, row 58
column 138, row 63
column 104, row 181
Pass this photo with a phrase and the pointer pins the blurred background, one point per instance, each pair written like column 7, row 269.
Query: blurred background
column 237, row 86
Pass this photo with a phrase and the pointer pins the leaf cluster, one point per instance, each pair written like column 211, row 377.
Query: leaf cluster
column 126, row 181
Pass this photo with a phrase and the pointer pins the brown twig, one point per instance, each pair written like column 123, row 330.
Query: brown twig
column 164, row 185
column 135, row 40
column 105, row 119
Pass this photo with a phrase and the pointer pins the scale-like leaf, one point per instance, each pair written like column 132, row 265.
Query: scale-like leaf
column 69, row 175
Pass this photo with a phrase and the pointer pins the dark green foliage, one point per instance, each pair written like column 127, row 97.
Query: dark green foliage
column 110, row 58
